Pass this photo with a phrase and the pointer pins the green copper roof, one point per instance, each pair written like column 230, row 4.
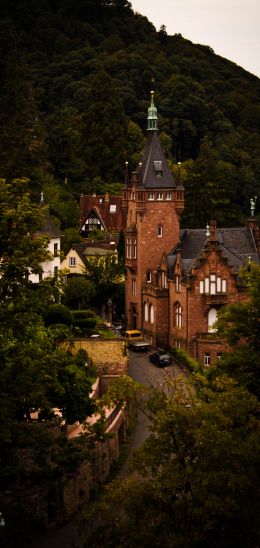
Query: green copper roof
column 152, row 119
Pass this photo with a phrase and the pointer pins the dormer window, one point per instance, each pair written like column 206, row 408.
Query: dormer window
column 151, row 196
column 158, row 168
column 159, row 196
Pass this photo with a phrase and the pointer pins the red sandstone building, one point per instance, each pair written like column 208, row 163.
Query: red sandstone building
column 178, row 279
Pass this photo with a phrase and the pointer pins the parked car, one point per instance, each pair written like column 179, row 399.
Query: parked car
column 160, row 358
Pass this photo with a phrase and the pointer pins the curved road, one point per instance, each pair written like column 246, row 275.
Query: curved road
column 143, row 371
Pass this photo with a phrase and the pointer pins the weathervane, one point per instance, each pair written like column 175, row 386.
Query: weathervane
column 252, row 205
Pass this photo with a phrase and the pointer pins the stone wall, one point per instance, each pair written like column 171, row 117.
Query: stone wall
column 109, row 355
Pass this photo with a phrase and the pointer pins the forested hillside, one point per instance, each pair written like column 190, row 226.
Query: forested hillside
column 75, row 83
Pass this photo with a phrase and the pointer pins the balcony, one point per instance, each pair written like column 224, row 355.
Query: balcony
column 217, row 299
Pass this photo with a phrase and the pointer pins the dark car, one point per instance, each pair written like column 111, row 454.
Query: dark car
column 160, row 359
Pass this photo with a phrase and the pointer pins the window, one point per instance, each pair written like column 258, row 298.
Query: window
column 128, row 248
column 219, row 355
column 177, row 283
column 164, row 280
column 55, row 250
column 224, row 286
column 134, row 249
column 168, row 195
column 148, row 277
column 146, row 312
column 112, row 208
column 159, row 196
column 212, row 317
column 151, row 313
column 160, row 231
column 158, row 168
column 72, row 261
column 133, row 286
column 213, row 285
column 177, row 315
column 151, row 196
column 56, row 272
column 178, row 344
column 207, row 358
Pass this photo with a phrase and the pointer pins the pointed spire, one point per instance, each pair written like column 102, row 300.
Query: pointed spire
column 152, row 119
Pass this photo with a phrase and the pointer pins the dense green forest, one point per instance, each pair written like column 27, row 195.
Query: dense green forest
column 75, row 83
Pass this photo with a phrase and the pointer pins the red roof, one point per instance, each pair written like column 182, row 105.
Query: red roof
column 108, row 208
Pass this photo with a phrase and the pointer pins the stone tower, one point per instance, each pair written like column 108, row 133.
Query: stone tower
column 153, row 203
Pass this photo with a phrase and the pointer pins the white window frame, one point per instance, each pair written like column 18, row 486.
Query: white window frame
column 159, row 196
column 146, row 312
column 177, row 283
column 151, row 313
column 168, row 196
column 151, row 196
column 72, row 262
column 224, row 285
column 160, row 231
column 178, row 315
column 207, row 359
column 213, row 286
column 128, row 248
column 148, row 276
column 134, row 249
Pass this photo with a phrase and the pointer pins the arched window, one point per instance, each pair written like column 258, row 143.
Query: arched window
column 151, row 313
column 177, row 315
column 212, row 317
column 146, row 312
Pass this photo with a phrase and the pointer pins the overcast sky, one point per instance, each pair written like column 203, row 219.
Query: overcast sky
column 230, row 27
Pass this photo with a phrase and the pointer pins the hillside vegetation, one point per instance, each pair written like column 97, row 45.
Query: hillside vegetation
column 75, row 82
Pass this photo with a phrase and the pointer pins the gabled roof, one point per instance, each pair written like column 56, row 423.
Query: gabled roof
column 107, row 208
column 153, row 152
column 85, row 249
column 48, row 227
column 235, row 244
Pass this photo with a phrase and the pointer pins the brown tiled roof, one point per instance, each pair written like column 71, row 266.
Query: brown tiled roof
column 146, row 172
column 113, row 218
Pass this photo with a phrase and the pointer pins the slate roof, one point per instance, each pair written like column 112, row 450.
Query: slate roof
column 113, row 218
column 146, row 172
column 236, row 245
column 48, row 227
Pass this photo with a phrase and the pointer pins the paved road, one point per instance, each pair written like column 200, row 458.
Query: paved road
column 143, row 371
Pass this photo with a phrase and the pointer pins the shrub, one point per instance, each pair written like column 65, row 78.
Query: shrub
column 58, row 313
column 184, row 359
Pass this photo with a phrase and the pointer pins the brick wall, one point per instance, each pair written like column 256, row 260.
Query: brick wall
column 109, row 355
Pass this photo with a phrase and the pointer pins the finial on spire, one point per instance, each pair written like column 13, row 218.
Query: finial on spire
column 152, row 119
column 126, row 174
